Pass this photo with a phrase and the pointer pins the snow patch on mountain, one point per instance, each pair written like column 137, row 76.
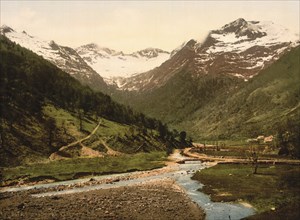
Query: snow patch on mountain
column 243, row 46
column 63, row 57
column 38, row 46
column 240, row 49
column 266, row 32
column 111, row 64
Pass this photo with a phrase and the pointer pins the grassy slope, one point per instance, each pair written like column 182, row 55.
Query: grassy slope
column 273, row 187
column 120, row 137
column 37, row 166
column 266, row 103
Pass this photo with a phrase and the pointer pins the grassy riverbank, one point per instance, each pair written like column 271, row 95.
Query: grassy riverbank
column 275, row 189
column 74, row 168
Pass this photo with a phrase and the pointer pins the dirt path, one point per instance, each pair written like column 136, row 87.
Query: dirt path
column 81, row 140
column 204, row 157
column 109, row 150
column 89, row 152
column 54, row 155
column 86, row 151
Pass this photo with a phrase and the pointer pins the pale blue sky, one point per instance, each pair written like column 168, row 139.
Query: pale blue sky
column 134, row 25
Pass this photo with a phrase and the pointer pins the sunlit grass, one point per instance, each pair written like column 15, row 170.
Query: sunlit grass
column 273, row 186
column 70, row 168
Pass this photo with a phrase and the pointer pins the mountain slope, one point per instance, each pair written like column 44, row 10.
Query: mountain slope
column 267, row 104
column 44, row 108
column 63, row 57
column 226, row 107
column 197, row 80
column 180, row 96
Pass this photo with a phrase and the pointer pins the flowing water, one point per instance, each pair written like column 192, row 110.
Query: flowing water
column 214, row 210
column 182, row 176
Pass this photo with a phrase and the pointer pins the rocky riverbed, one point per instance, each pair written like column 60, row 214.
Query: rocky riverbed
column 157, row 199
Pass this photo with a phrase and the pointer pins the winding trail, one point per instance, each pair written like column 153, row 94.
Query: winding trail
column 203, row 157
column 109, row 150
column 81, row 140
column 54, row 155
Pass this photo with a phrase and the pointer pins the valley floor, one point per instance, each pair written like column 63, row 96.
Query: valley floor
column 157, row 199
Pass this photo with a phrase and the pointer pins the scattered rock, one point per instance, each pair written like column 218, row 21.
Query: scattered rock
column 21, row 206
column 159, row 199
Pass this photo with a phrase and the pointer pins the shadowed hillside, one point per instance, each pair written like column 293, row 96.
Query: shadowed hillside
column 43, row 109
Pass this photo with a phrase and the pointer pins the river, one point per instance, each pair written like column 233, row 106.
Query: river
column 181, row 175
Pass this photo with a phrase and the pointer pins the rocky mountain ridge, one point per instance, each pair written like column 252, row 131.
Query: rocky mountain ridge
column 63, row 57
column 98, row 67
column 240, row 49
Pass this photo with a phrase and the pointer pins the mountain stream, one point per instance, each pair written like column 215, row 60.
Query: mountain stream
column 181, row 175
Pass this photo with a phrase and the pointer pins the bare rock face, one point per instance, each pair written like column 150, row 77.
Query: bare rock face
column 241, row 28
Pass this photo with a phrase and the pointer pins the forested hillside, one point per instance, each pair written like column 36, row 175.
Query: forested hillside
column 267, row 104
column 181, row 96
column 35, row 93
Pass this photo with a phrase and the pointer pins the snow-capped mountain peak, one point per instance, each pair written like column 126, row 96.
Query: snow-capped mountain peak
column 244, row 47
column 63, row 57
column 235, row 26
column 241, row 27
column 240, row 35
column 240, row 48
column 110, row 63
column 90, row 61
column 93, row 50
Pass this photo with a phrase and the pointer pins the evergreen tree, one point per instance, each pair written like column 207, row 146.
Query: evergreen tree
column 182, row 137
column 50, row 128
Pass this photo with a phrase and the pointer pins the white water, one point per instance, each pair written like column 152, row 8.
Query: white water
column 214, row 210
